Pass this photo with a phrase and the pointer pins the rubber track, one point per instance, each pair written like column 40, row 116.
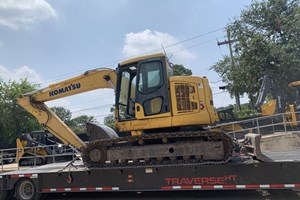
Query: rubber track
column 115, row 143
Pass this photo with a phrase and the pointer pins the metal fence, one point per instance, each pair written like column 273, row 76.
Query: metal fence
column 262, row 125
column 57, row 153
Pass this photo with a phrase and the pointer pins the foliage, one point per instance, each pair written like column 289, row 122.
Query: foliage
column 14, row 119
column 245, row 112
column 77, row 124
column 180, row 70
column 64, row 114
column 268, row 35
column 110, row 119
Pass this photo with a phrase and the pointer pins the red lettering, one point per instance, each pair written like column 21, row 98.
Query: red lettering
column 205, row 181
column 183, row 181
column 175, row 181
column 190, row 181
column 230, row 178
column 233, row 177
column 186, row 181
column 212, row 180
column 220, row 180
column 169, row 181
column 197, row 181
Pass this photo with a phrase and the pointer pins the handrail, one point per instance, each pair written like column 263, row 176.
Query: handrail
column 8, row 156
column 273, row 121
column 276, row 120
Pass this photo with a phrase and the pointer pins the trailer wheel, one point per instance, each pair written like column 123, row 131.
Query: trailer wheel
column 26, row 190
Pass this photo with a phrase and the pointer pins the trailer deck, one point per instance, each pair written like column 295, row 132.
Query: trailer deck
column 57, row 178
column 241, row 172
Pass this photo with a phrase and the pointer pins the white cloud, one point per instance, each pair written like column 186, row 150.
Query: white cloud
column 20, row 73
column 21, row 13
column 148, row 41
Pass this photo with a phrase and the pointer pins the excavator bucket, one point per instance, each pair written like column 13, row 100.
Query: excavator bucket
column 99, row 131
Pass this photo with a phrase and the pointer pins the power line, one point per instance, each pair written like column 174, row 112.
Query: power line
column 219, row 93
column 197, row 36
column 92, row 108
column 192, row 38
column 102, row 115
column 110, row 63
column 192, row 46
column 99, row 98
column 98, row 107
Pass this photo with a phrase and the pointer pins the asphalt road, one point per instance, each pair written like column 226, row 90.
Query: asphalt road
column 201, row 195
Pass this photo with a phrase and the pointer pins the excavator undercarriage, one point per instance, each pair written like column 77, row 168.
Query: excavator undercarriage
column 192, row 146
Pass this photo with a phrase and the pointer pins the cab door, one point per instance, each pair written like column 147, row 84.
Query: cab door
column 152, row 91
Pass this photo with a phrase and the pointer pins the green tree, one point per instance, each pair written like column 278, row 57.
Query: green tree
column 77, row 124
column 109, row 120
column 180, row 70
column 268, row 35
column 64, row 114
column 13, row 118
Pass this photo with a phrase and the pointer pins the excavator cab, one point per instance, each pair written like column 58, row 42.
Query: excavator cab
column 142, row 89
column 149, row 99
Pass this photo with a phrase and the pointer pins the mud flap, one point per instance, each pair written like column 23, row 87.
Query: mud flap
column 252, row 146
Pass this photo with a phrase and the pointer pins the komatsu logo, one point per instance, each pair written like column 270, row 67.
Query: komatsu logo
column 64, row 89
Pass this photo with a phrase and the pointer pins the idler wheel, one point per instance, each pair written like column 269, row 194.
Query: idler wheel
column 98, row 155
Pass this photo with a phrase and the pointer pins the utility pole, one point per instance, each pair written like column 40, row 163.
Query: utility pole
column 229, row 42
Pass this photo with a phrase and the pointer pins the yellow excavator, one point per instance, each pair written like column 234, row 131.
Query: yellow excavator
column 165, row 115
column 279, row 103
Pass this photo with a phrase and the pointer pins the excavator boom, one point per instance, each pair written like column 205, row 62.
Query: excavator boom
column 34, row 102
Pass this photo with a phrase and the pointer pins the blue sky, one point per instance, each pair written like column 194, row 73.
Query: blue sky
column 49, row 41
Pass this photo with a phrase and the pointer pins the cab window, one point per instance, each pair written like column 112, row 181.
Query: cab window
column 150, row 77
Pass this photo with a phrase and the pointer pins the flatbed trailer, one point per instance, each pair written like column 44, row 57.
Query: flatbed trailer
column 63, row 178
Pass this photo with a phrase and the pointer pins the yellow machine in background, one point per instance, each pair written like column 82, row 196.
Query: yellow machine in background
column 37, row 148
column 294, row 107
column 150, row 105
column 278, row 104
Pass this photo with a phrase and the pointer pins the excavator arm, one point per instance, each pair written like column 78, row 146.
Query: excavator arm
column 275, row 105
column 34, row 102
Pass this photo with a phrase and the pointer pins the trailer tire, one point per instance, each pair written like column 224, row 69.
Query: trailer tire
column 26, row 190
